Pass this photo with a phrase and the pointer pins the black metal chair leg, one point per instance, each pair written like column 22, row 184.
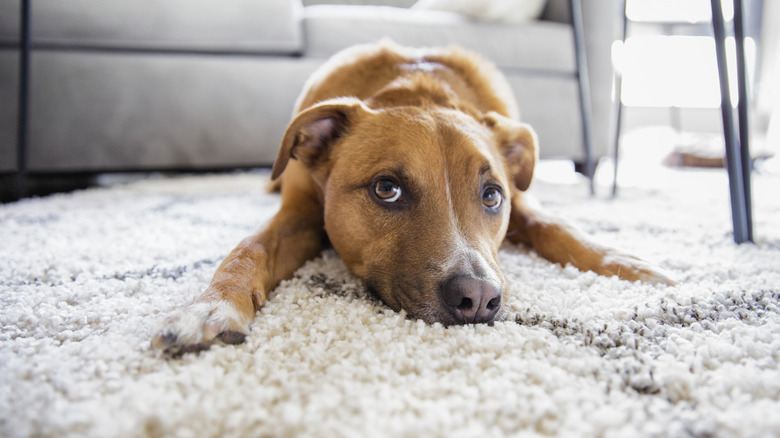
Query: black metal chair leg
column 737, row 178
column 20, row 182
column 742, row 113
column 584, row 88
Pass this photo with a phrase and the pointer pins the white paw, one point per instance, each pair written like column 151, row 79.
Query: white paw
column 199, row 325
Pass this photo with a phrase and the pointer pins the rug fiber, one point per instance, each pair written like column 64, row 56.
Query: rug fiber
column 87, row 278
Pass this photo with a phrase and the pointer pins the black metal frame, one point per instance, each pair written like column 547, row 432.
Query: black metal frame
column 584, row 91
column 20, row 182
column 738, row 162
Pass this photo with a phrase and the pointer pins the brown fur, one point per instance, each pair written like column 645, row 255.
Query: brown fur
column 443, row 125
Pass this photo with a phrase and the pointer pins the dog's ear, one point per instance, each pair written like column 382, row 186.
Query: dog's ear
column 312, row 133
column 517, row 143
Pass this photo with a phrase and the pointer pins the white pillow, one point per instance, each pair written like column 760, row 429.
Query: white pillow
column 501, row 11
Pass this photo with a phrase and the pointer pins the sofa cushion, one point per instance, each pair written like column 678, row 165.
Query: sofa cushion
column 98, row 111
column 10, row 16
column 537, row 45
column 238, row 26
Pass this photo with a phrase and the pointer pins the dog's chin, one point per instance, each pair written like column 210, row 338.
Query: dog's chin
column 445, row 318
column 433, row 316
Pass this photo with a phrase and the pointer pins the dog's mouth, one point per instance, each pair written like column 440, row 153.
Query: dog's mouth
column 439, row 306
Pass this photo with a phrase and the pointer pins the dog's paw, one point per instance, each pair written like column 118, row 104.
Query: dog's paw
column 632, row 268
column 200, row 325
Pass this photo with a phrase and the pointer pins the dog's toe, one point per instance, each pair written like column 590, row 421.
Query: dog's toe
column 164, row 339
column 231, row 337
column 199, row 326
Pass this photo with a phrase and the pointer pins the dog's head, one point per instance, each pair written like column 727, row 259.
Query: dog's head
column 417, row 201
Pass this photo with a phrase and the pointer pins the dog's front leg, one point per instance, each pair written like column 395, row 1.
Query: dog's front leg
column 561, row 242
column 242, row 282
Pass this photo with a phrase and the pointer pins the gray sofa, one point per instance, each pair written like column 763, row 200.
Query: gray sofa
column 209, row 84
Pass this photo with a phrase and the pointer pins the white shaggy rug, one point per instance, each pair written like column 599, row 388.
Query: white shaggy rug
column 86, row 278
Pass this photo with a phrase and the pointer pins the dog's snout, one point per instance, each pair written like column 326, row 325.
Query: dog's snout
column 470, row 299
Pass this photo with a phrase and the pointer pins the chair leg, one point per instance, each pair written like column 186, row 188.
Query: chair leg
column 738, row 192
column 742, row 108
column 619, row 109
column 20, row 180
column 616, row 157
column 584, row 88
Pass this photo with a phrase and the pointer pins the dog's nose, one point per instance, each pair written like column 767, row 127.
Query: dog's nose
column 470, row 299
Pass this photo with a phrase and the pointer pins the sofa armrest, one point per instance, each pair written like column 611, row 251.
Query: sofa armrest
column 603, row 25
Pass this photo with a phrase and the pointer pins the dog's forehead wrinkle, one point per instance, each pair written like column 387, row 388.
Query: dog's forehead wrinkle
column 406, row 136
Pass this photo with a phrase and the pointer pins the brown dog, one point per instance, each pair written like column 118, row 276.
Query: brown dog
column 413, row 165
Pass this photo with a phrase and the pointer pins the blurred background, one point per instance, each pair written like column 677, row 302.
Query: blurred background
column 95, row 92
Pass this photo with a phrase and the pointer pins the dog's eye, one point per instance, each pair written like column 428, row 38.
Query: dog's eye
column 491, row 197
column 387, row 190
